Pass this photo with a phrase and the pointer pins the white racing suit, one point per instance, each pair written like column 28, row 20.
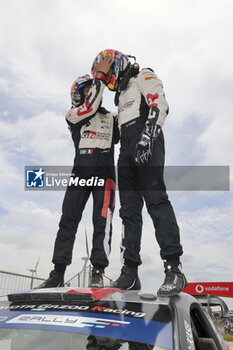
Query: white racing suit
column 142, row 99
column 94, row 131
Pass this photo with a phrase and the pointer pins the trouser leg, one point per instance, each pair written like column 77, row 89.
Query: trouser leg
column 159, row 206
column 103, row 208
column 130, row 212
column 165, row 224
column 72, row 209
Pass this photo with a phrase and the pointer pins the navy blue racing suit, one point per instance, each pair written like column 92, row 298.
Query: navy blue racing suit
column 94, row 131
column 137, row 103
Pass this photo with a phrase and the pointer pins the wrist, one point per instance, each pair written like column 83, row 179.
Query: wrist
column 101, row 76
column 157, row 130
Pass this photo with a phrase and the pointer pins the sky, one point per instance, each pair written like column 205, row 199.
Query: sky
column 44, row 46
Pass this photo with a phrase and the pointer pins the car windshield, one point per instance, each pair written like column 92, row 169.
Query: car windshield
column 102, row 325
column 21, row 339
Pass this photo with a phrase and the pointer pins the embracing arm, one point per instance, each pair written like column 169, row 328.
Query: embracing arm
column 89, row 107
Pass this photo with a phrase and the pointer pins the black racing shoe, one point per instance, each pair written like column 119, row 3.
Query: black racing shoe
column 174, row 281
column 56, row 279
column 96, row 278
column 128, row 279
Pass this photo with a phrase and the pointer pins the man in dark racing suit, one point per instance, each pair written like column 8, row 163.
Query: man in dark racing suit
column 142, row 109
column 94, row 131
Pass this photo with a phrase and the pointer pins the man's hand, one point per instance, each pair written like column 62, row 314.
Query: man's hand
column 144, row 148
column 104, row 64
column 103, row 68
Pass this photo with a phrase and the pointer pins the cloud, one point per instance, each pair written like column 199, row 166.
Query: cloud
column 207, row 234
column 27, row 229
column 42, row 138
column 44, row 47
column 218, row 144
column 30, row 228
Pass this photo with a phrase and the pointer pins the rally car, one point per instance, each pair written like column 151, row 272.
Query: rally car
column 104, row 319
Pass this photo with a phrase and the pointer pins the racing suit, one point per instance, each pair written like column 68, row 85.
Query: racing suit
column 136, row 104
column 94, row 131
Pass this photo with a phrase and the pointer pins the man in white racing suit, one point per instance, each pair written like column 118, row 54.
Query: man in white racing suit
column 142, row 109
column 94, row 131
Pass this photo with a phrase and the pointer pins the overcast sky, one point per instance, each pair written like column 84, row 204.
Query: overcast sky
column 44, row 46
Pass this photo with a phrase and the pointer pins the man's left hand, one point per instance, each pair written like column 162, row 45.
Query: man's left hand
column 103, row 68
column 144, row 148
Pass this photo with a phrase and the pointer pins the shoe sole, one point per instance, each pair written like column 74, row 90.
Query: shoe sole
column 171, row 294
column 132, row 287
column 44, row 287
column 95, row 286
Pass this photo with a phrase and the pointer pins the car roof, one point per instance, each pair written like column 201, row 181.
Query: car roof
column 109, row 304
column 101, row 312
column 66, row 294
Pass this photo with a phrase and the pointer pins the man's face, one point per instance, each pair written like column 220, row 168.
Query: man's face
column 109, row 74
column 86, row 89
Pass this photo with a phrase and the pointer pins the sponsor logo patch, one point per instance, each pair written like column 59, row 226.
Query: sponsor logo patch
column 69, row 321
column 149, row 78
column 88, row 134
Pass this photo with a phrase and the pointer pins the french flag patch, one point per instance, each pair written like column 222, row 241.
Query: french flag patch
column 86, row 151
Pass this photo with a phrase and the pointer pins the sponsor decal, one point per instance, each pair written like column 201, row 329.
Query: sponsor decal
column 84, row 109
column 129, row 329
column 105, row 120
column 88, row 134
column 199, row 288
column 64, row 320
column 80, row 308
column 151, row 98
column 149, row 78
column 189, row 336
column 35, row 178
column 118, row 311
column 130, row 123
column 224, row 289
column 103, row 136
column 126, row 106
column 44, row 307
column 105, row 124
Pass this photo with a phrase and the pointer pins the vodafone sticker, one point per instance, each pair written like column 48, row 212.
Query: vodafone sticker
column 199, row 288
column 222, row 289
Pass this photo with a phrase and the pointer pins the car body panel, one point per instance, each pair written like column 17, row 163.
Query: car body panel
column 122, row 315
